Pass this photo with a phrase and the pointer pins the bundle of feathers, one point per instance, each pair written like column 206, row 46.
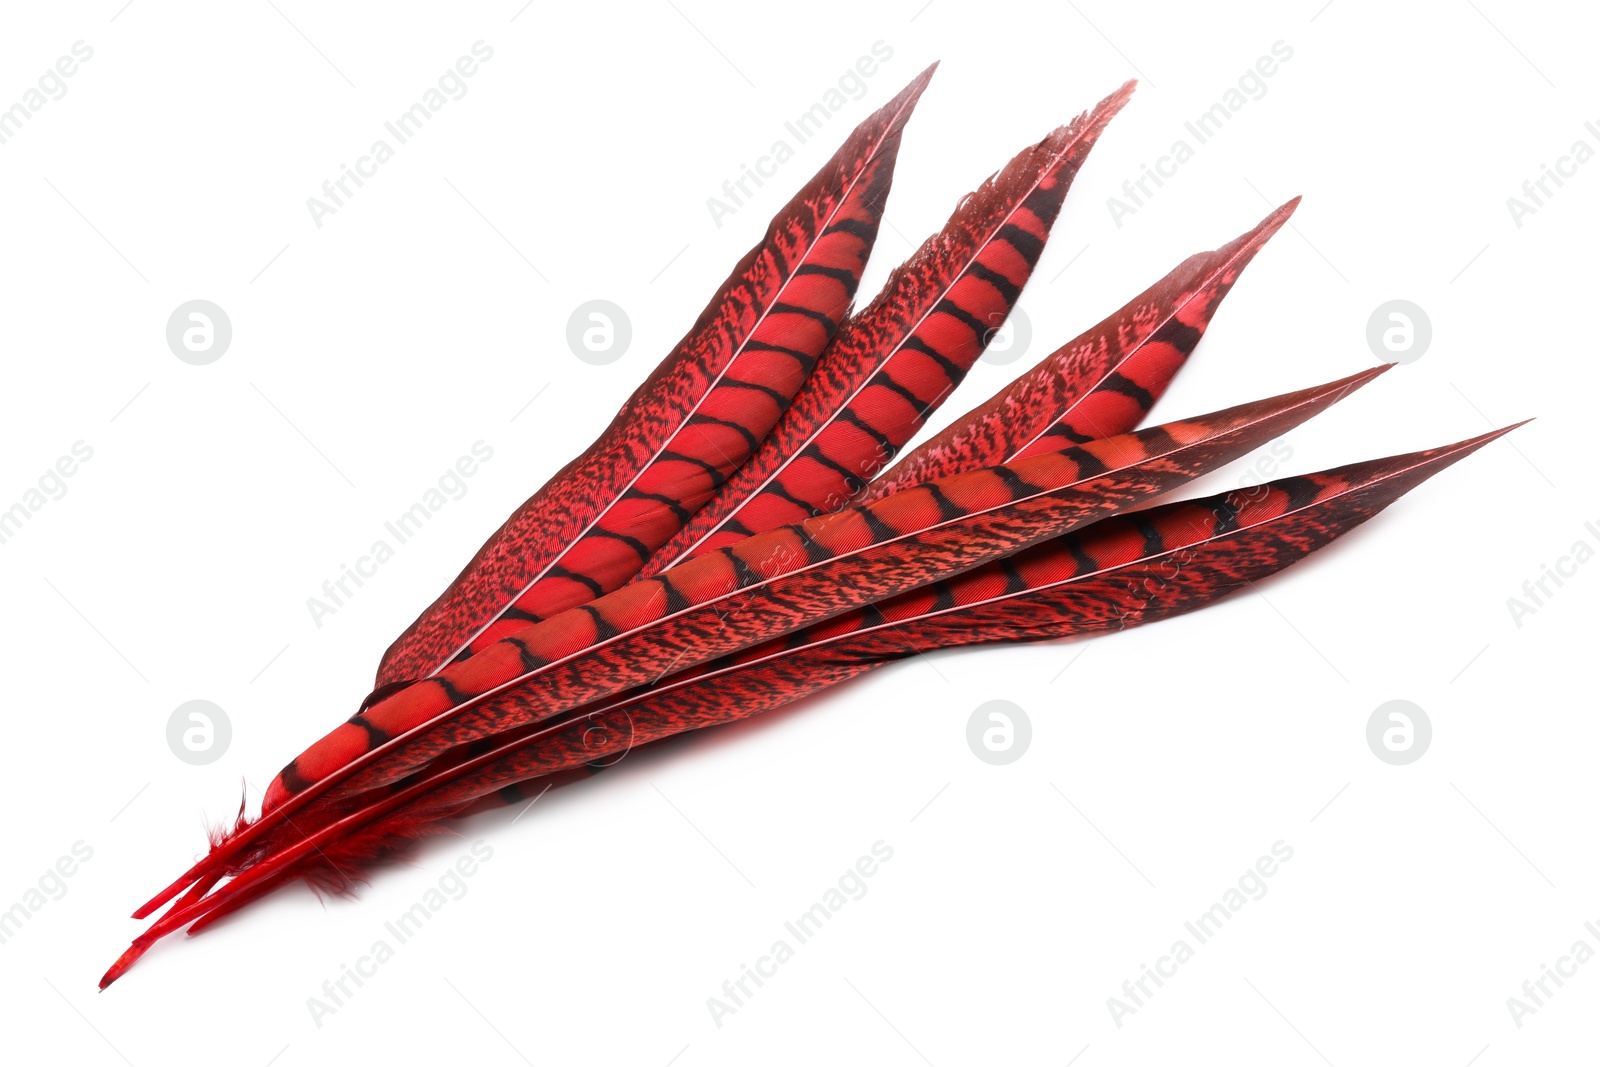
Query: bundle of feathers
column 741, row 536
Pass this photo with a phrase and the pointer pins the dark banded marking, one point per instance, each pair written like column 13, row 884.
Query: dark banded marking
column 1225, row 515
column 676, row 601
column 1301, row 491
column 700, row 419
column 679, row 512
column 979, row 328
column 948, row 509
column 776, row 397
column 1063, row 430
column 1027, row 245
column 1085, row 563
column 1015, row 485
column 867, row 428
column 881, row 531
column 557, row 572
column 795, row 309
column 864, row 231
column 718, row 475
column 815, row 454
column 883, row 381
column 779, row 490
column 951, row 369
column 1154, row 543
column 1116, row 383
column 375, row 736
column 603, row 629
column 846, row 278
column 1008, row 289
column 816, row 551
column 632, row 542
column 744, row 575
column 531, row 661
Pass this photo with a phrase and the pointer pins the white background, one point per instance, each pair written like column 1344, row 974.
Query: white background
column 426, row 314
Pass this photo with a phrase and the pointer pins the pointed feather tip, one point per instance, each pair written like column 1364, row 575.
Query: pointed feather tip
column 894, row 115
column 1484, row 438
column 1445, row 455
column 914, row 90
column 1409, row 469
column 124, row 961
column 1350, row 383
column 1118, row 99
column 1107, row 109
column 1271, row 224
column 1089, row 124
column 1291, row 408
